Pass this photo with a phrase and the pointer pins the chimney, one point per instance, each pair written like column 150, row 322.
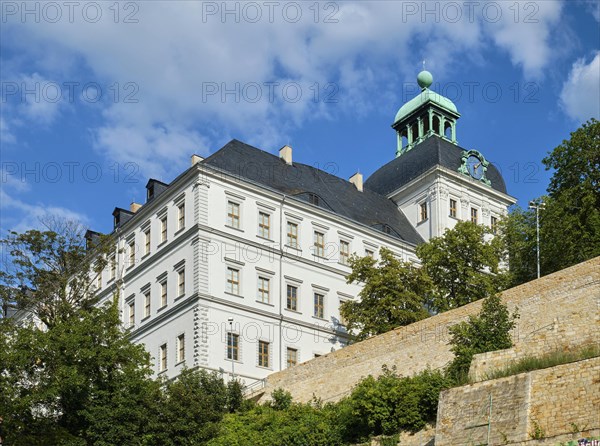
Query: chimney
column 285, row 153
column 196, row 159
column 133, row 207
column 357, row 180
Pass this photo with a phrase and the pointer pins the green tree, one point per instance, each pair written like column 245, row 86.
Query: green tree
column 391, row 403
column 80, row 382
column 486, row 332
column 392, row 295
column 519, row 232
column 463, row 264
column 193, row 406
column 283, row 423
column 50, row 273
column 572, row 215
column 570, row 219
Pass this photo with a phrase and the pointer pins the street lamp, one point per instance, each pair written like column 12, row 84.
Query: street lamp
column 537, row 205
column 230, row 320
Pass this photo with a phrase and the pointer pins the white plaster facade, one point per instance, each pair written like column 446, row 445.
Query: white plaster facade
column 205, row 247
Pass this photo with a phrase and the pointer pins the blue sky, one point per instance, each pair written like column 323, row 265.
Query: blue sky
column 97, row 97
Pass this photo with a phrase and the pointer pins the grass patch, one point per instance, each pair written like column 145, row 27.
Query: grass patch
column 553, row 359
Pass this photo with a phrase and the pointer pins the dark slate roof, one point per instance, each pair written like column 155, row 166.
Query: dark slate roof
column 431, row 152
column 300, row 180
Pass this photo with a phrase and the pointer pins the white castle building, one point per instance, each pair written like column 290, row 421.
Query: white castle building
column 239, row 264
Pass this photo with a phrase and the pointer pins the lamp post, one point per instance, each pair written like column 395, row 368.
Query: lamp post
column 537, row 205
column 230, row 320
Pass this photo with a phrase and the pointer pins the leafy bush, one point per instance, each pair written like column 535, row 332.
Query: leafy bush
column 391, row 403
column 292, row 425
column 486, row 332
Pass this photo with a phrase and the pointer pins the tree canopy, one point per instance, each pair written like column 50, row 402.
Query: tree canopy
column 463, row 265
column 50, row 273
column 392, row 295
column 570, row 217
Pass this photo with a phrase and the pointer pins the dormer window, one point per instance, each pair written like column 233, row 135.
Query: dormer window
column 313, row 199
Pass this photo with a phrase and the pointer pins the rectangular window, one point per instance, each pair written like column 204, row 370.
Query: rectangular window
column 369, row 253
column 233, row 281
column 263, row 354
column 131, row 314
column 319, row 244
column 147, row 241
column 292, row 234
column 113, row 267
column 292, row 298
column 99, row 280
column 162, row 362
column 319, row 307
column 233, row 214
column 180, row 348
column 452, row 208
column 131, row 253
column 344, row 252
column 163, row 229
column 264, row 289
column 474, row 215
column 494, row 225
column 163, row 294
column 423, row 212
column 147, row 303
column 181, row 282
column 233, row 346
column 264, row 225
column 181, row 216
column 292, row 357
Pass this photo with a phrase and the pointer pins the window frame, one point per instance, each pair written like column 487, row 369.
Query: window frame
column 181, row 215
column 264, row 359
column 474, row 215
column 181, row 282
column 164, row 293
column 164, row 227
column 291, row 237
column 232, row 352
column 180, row 348
column 452, row 210
column 163, row 358
column 319, row 248
column 147, row 303
column 423, row 212
column 319, row 306
column 233, row 286
column 233, row 220
column 344, row 255
column 147, row 241
column 294, row 361
column 291, row 299
column 262, row 291
column 264, row 229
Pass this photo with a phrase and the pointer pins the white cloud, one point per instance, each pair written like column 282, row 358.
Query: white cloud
column 17, row 215
column 524, row 30
column 174, row 54
column 581, row 91
column 6, row 134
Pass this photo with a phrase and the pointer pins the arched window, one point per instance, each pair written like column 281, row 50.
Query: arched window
column 448, row 130
column 436, row 125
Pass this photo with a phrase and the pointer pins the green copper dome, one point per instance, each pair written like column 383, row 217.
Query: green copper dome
column 425, row 79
